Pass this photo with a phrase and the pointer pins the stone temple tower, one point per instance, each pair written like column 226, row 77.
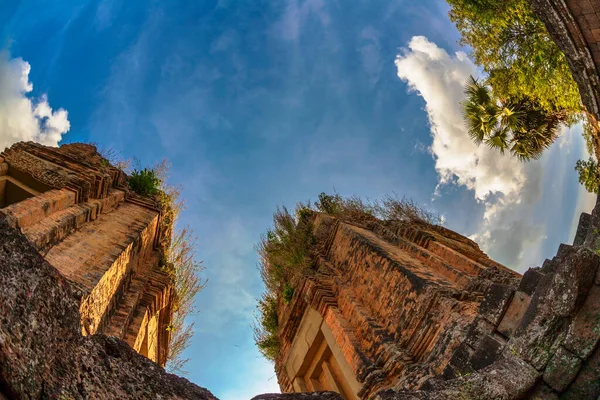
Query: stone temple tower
column 105, row 240
column 408, row 310
column 388, row 306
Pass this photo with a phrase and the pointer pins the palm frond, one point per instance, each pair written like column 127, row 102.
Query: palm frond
column 499, row 140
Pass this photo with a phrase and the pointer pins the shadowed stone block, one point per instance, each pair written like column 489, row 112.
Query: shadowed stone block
column 495, row 302
column 584, row 331
column 542, row 392
column 480, row 328
column 460, row 363
column 586, row 385
column 489, row 351
column 531, row 279
column 585, row 221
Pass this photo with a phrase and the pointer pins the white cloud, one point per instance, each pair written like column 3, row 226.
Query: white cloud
column 21, row 117
column 508, row 188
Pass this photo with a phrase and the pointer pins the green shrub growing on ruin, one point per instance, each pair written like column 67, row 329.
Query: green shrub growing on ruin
column 144, row 182
column 288, row 293
column 265, row 329
column 390, row 208
column 284, row 250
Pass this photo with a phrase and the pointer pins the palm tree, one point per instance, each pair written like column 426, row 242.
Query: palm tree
column 520, row 125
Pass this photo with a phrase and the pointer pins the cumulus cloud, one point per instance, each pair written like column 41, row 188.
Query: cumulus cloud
column 507, row 187
column 21, row 117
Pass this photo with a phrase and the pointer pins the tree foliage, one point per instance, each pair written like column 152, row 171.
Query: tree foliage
column 589, row 176
column 515, row 50
column 518, row 125
column 390, row 208
column 184, row 268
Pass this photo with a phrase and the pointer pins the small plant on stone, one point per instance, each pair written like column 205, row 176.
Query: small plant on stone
column 144, row 182
column 288, row 293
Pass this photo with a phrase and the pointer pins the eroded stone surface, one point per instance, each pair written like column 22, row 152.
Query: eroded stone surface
column 508, row 378
column 557, row 299
column 584, row 331
column 561, row 369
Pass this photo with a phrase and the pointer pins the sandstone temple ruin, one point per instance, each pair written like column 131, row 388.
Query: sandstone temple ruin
column 105, row 240
column 416, row 311
column 388, row 306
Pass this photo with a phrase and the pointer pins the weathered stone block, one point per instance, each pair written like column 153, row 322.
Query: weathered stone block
column 558, row 297
column 495, row 302
column 548, row 267
column 584, row 331
column 514, row 313
column 573, row 280
column 562, row 369
column 479, row 329
column 530, row 280
column 460, row 363
column 488, row 351
column 542, row 392
column 508, row 378
column 585, row 221
column 587, row 383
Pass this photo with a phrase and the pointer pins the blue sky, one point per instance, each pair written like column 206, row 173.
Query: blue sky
column 261, row 103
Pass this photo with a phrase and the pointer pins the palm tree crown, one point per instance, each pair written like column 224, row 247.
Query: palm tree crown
column 519, row 125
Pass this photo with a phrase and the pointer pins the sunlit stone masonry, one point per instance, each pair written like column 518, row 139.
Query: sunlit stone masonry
column 77, row 211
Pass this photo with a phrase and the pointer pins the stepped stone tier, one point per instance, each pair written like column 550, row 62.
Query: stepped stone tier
column 106, row 241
